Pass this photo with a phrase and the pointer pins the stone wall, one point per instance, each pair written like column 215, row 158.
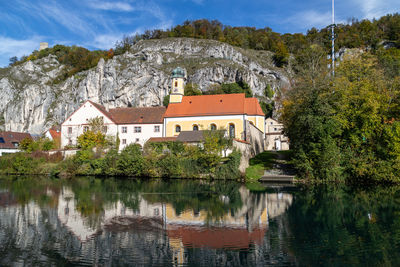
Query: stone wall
column 254, row 145
column 256, row 139
column 245, row 149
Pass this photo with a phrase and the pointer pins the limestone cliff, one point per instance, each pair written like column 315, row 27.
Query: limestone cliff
column 32, row 101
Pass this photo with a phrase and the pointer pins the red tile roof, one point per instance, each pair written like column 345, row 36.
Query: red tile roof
column 55, row 133
column 216, row 237
column 141, row 115
column 211, row 105
column 252, row 107
column 12, row 137
column 137, row 115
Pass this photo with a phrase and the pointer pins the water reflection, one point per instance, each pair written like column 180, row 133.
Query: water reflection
column 158, row 223
column 125, row 222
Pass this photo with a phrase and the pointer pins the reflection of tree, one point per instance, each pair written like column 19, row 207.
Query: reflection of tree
column 195, row 195
column 339, row 226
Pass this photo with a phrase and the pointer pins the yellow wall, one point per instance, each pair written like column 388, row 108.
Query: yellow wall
column 205, row 125
column 175, row 98
column 188, row 216
column 258, row 121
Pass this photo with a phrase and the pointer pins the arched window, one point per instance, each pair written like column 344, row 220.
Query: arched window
column 213, row 127
column 176, row 84
column 232, row 130
column 195, row 127
column 177, row 129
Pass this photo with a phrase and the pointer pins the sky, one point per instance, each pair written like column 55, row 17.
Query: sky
column 98, row 24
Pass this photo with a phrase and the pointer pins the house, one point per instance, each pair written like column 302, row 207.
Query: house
column 131, row 125
column 210, row 112
column 54, row 134
column 275, row 138
column 191, row 137
column 9, row 141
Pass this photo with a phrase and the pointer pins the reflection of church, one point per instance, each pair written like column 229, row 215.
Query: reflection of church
column 188, row 229
column 149, row 229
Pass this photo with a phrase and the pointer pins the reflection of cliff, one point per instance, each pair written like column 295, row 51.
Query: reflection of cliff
column 84, row 227
column 152, row 233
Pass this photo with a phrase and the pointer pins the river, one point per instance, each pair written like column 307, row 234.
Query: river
column 87, row 221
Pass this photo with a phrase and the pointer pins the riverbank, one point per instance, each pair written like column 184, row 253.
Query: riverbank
column 169, row 160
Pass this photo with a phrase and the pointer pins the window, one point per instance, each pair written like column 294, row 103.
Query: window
column 232, row 130
column 104, row 129
column 177, row 129
column 15, row 144
column 138, row 129
column 157, row 129
column 85, row 128
column 195, row 127
column 70, row 130
column 213, row 127
column 2, row 140
column 275, row 129
column 137, row 140
column 70, row 142
column 156, row 212
column 124, row 129
column 124, row 141
column 176, row 84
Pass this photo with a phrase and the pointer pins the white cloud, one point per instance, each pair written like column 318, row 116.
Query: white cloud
column 377, row 8
column 10, row 47
column 106, row 41
column 112, row 6
column 309, row 19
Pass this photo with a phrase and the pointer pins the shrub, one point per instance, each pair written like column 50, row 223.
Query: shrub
column 131, row 162
column 229, row 170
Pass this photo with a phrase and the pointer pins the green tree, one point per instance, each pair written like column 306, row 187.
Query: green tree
column 192, row 89
column 131, row 162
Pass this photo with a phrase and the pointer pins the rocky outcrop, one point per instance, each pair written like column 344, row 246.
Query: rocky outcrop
column 32, row 101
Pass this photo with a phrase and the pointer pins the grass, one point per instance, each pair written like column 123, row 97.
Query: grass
column 261, row 162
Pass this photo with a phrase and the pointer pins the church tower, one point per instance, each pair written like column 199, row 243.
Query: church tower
column 178, row 85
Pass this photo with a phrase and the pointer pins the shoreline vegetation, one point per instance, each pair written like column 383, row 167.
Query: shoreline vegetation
column 99, row 157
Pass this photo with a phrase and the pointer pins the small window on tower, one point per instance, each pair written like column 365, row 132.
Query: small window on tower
column 176, row 84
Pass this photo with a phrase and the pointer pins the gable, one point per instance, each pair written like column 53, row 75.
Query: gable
column 87, row 111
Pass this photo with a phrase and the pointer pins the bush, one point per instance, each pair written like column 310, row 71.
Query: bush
column 229, row 170
column 131, row 161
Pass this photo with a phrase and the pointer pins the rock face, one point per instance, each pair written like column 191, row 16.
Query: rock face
column 32, row 102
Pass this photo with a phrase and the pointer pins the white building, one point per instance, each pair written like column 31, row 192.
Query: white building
column 133, row 125
column 275, row 138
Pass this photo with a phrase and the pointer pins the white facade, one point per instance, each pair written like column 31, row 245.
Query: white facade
column 138, row 133
column 78, row 122
column 275, row 138
column 75, row 125
column 8, row 151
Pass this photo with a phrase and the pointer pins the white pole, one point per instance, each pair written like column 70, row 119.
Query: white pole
column 333, row 37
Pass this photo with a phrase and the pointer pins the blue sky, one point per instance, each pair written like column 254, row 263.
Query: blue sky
column 98, row 24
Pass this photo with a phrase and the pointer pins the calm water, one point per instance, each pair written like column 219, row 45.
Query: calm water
column 171, row 223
